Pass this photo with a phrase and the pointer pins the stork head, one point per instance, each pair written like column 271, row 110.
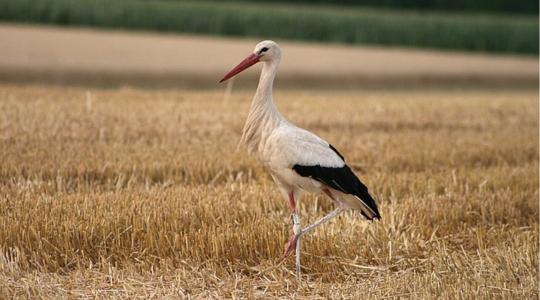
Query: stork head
column 266, row 51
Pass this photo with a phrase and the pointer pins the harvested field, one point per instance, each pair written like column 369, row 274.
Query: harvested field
column 127, row 193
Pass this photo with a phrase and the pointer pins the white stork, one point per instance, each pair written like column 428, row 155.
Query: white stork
column 297, row 159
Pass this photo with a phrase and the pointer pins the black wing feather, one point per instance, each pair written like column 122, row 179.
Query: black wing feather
column 342, row 179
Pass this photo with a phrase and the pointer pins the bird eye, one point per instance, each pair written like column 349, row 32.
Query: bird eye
column 263, row 50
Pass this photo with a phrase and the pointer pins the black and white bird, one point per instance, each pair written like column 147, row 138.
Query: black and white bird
column 297, row 159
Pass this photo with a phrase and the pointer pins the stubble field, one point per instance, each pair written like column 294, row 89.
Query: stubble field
column 131, row 194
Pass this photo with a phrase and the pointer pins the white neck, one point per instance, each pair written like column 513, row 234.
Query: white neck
column 266, row 81
column 263, row 116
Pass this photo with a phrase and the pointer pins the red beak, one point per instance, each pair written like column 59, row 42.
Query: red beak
column 246, row 63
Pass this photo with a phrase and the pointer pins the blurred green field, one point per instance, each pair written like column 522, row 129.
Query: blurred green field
column 352, row 25
column 502, row 6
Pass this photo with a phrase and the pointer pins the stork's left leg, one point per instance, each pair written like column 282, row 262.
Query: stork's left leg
column 295, row 218
column 294, row 241
column 297, row 230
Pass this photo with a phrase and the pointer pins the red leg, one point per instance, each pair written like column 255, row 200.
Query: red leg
column 291, row 245
column 292, row 202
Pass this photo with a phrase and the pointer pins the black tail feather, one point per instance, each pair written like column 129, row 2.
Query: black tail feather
column 342, row 179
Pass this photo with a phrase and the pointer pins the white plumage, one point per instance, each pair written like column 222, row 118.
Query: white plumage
column 289, row 146
column 297, row 159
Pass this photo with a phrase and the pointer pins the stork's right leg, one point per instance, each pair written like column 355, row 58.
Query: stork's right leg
column 326, row 218
column 295, row 217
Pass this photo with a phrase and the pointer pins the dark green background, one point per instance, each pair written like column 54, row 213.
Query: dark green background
column 486, row 32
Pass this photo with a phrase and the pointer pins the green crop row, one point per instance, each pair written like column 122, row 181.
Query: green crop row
column 499, row 6
column 489, row 33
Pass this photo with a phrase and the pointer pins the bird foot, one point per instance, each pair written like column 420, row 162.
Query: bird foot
column 291, row 245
